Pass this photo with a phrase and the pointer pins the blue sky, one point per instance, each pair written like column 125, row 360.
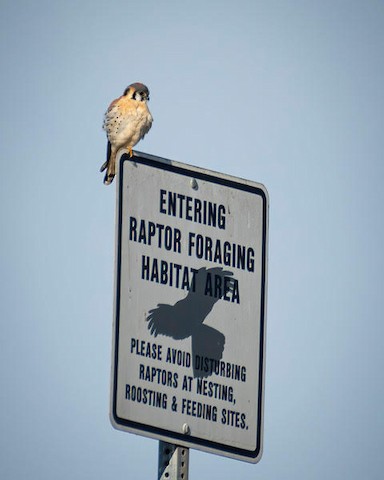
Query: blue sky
column 286, row 93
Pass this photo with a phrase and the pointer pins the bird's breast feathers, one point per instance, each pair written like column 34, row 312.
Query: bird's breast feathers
column 127, row 121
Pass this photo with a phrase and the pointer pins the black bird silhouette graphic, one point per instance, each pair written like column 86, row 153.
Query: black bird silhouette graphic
column 185, row 318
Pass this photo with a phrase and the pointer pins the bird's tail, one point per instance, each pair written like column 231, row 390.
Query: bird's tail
column 110, row 165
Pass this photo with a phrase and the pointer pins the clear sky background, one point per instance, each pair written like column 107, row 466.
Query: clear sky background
column 288, row 93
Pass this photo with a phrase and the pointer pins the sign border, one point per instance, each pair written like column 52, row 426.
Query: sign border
column 156, row 432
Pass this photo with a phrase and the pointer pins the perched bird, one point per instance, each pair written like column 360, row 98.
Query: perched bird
column 126, row 121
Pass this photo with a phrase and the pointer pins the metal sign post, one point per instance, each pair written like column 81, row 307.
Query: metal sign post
column 173, row 462
column 190, row 309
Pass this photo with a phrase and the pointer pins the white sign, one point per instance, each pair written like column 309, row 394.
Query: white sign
column 190, row 306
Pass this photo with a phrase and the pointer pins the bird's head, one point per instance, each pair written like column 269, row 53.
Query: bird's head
column 137, row 91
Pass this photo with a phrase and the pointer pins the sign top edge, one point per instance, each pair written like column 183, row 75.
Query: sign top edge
column 123, row 153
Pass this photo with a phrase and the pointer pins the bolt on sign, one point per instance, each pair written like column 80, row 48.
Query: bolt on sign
column 190, row 306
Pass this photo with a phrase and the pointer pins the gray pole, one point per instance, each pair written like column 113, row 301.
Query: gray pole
column 173, row 462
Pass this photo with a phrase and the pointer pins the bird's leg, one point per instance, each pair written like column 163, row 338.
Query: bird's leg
column 130, row 152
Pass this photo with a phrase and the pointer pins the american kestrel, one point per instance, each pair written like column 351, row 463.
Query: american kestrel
column 126, row 121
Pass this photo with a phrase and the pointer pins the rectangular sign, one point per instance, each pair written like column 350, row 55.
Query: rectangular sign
column 190, row 306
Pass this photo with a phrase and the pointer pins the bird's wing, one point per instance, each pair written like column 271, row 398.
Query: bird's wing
column 167, row 320
column 105, row 164
column 207, row 342
column 111, row 113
